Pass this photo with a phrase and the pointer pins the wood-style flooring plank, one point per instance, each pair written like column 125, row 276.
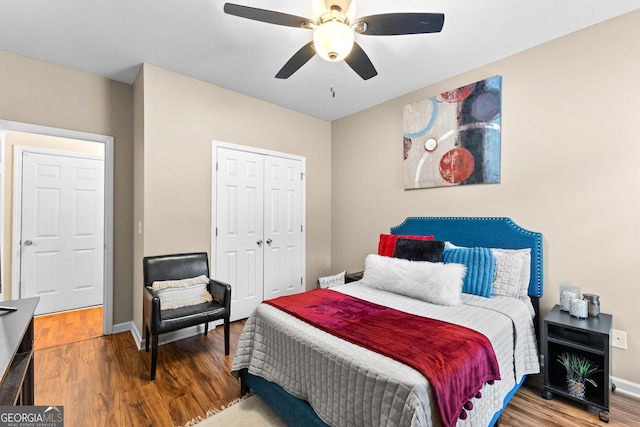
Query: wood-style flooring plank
column 105, row 382
column 528, row 404
column 66, row 327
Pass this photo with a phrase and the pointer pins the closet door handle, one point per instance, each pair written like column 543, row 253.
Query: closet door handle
column 269, row 242
column 259, row 242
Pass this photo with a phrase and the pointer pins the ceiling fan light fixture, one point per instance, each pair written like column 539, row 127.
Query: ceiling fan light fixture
column 334, row 33
column 333, row 40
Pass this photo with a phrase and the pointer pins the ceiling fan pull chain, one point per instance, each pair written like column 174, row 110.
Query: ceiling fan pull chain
column 333, row 92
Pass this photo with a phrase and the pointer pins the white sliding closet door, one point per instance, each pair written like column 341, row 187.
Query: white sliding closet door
column 258, row 236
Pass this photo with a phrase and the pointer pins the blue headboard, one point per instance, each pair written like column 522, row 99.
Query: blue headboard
column 490, row 232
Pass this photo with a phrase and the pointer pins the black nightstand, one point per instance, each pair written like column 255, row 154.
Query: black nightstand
column 563, row 333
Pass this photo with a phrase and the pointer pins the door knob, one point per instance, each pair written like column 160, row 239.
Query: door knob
column 28, row 242
column 259, row 242
column 269, row 241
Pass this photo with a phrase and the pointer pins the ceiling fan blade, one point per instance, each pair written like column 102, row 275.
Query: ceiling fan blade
column 359, row 61
column 300, row 58
column 395, row 24
column 263, row 15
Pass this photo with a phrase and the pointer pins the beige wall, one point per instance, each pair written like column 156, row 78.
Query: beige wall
column 38, row 93
column 570, row 152
column 138, row 198
column 182, row 116
column 13, row 138
column 570, row 144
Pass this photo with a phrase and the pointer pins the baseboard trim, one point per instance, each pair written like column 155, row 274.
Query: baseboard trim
column 129, row 327
column 164, row 338
column 135, row 333
column 123, row 327
column 626, row 387
column 180, row 334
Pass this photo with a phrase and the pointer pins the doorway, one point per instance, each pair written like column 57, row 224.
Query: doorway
column 58, row 203
column 12, row 260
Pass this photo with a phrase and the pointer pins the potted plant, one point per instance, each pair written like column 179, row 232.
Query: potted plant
column 579, row 369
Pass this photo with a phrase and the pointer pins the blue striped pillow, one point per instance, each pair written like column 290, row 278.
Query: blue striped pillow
column 481, row 269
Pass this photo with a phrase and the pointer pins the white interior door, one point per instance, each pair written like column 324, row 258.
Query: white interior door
column 62, row 231
column 239, row 228
column 283, row 227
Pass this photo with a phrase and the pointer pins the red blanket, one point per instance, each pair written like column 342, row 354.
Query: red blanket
column 456, row 360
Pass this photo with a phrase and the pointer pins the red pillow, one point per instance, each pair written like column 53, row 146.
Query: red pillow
column 387, row 243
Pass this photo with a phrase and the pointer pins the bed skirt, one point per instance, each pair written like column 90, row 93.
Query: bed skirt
column 293, row 411
column 297, row 412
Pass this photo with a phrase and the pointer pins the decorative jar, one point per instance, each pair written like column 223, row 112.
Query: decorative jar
column 579, row 308
column 594, row 304
column 567, row 294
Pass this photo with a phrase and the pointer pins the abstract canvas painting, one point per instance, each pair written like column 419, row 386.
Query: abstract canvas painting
column 454, row 138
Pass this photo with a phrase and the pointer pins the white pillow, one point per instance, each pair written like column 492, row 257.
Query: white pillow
column 513, row 271
column 331, row 281
column 182, row 293
column 434, row 282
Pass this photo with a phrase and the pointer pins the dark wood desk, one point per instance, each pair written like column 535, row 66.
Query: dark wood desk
column 16, row 352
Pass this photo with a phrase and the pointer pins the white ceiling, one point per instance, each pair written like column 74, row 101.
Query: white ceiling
column 111, row 38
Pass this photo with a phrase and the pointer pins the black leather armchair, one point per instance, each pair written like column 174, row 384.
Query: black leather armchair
column 157, row 321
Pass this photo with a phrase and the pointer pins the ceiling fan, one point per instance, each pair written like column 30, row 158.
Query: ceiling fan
column 334, row 26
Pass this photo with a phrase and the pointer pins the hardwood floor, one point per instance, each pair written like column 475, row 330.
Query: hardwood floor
column 528, row 408
column 105, row 382
column 66, row 327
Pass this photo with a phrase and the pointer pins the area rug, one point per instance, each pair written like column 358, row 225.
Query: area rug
column 248, row 411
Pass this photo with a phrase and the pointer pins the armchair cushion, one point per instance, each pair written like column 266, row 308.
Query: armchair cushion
column 172, row 320
column 182, row 293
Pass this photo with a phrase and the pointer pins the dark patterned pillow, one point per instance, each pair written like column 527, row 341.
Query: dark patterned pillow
column 387, row 242
column 419, row 250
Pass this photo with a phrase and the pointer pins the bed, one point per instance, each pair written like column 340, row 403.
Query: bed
column 312, row 377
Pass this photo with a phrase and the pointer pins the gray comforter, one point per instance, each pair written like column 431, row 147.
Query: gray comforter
column 351, row 386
